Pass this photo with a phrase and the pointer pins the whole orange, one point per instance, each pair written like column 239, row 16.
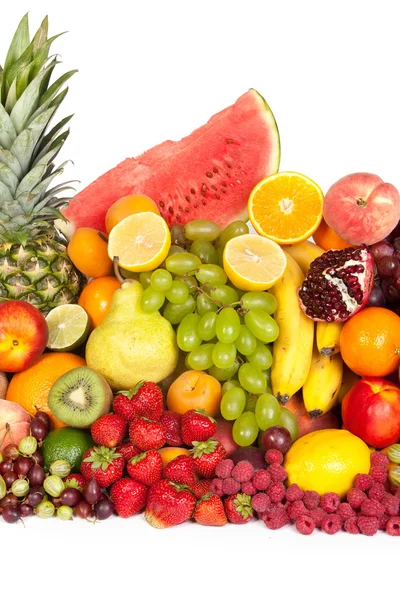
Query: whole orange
column 129, row 205
column 31, row 387
column 194, row 389
column 370, row 342
column 88, row 251
column 327, row 239
column 96, row 298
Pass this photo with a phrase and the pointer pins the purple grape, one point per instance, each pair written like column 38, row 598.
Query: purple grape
column 392, row 294
column 104, row 509
column 11, row 514
column 38, row 458
column 9, row 500
column 36, row 475
column 5, row 466
column 83, row 510
column 92, row 492
column 26, row 510
column 381, row 249
column 38, row 429
column 276, row 438
column 44, row 417
column 9, row 478
column 22, row 466
column 377, row 297
column 395, row 233
column 34, row 496
column 71, row 496
column 387, row 265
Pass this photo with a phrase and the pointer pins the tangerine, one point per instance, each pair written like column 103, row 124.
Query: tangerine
column 96, row 298
column 327, row 239
column 129, row 205
column 88, row 251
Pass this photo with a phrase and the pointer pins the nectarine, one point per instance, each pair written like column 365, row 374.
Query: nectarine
column 15, row 422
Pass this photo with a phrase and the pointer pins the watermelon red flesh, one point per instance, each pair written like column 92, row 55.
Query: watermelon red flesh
column 207, row 175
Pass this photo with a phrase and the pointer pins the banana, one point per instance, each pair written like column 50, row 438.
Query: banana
column 322, row 387
column 328, row 337
column 292, row 351
column 304, row 253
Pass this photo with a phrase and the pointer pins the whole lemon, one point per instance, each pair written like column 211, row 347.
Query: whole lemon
column 327, row 461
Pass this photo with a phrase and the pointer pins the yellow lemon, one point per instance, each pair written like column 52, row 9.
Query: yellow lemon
column 327, row 461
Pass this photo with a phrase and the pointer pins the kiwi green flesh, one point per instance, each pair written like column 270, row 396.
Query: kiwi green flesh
column 79, row 397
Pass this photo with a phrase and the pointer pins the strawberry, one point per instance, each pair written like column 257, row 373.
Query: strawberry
column 128, row 450
column 128, row 496
column 144, row 400
column 75, row 480
column 201, row 487
column 197, row 426
column 172, row 424
column 206, row 456
column 238, row 508
column 103, row 464
column 146, row 467
column 146, row 434
column 109, row 430
column 210, row 511
column 168, row 504
column 181, row 470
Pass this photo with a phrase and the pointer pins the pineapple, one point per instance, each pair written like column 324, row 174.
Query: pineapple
column 34, row 264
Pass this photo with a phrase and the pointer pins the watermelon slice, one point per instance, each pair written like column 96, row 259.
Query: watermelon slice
column 207, row 175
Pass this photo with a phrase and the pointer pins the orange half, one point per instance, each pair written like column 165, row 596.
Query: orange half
column 286, row 207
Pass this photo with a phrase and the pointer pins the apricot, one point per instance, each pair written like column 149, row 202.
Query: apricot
column 194, row 389
column 168, row 454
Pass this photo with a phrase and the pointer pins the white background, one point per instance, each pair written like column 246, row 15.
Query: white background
column 154, row 70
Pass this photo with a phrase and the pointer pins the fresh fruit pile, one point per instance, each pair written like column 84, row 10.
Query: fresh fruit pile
column 158, row 357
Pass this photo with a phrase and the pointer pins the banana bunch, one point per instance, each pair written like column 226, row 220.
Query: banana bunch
column 322, row 386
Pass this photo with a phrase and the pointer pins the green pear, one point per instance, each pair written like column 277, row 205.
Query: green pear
column 130, row 345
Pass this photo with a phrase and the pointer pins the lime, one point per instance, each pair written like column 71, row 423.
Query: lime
column 67, row 444
column 68, row 327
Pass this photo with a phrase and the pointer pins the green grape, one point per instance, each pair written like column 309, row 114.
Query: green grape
column 246, row 342
column 182, row 263
column 228, row 325
column 251, row 403
column 161, row 280
column 233, row 403
column 252, row 379
column 201, row 229
column 262, row 300
column 228, row 385
column 211, row 274
column 200, row 358
column 145, row 279
column 187, row 337
column 224, row 355
column 205, row 251
column 233, row 230
column 177, row 293
column 245, row 429
column 267, row 375
column 175, row 250
column 224, row 294
column 151, row 300
column 206, row 326
column 289, row 422
column 220, row 259
column 174, row 313
column 189, row 281
column 268, row 411
column 223, row 374
column 261, row 357
column 205, row 305
column 262, row 325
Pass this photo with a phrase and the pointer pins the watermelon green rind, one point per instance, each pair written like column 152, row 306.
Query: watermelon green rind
column 208, row 174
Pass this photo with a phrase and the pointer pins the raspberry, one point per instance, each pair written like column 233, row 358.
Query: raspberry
column 243, row 471
column 311, row 499
column 330, row 502
column 355, row 498
column 368, row 525
column 276, row 491
column 260, row 502
column 317, row 515
column 345, row 511
column 382, row 522
column 296, row 510
column 372, row 508
column 377, row 492
column 363, row 482
column 331, row 524
column 248, row 488
column 224, row 468
column 273, row 456
column 391, row 505
column 275, row 518
column 393, row 526
column 277, row 472
column 379, row 460
column 230, row 486
column 379, row 474
column 305, row 525
column 294, row 493
column 261, row 480
column 216, row 486
column 350, row 525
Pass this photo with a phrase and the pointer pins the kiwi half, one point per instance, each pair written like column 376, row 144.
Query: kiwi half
column 79, row 397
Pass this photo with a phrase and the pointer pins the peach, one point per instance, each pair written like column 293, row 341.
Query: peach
column 14, row 423
column 3, row 384
column 224, row 436
column 361, row 208
column 327, row 421
column 23, row 335
column 371, row 410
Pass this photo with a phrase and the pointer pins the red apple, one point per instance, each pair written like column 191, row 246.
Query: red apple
column 23, row 335
column 371, row 410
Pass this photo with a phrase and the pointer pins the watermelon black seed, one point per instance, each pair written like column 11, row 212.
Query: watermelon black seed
column 209, row 174
column 203, row 187
column 213, row 187
column 203, row 202
column 162, row 204
column 229, row 165
column 223, row 191
column 229, row 141
column 186, row 209
column 180, row 208
column 187, row 198
column 215, row 170
column 171, row 210
column 192, row 191
column 217, row 196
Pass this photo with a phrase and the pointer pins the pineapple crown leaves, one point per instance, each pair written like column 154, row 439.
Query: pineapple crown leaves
column 207, row 447
column 102, row 457
column 242, row 504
